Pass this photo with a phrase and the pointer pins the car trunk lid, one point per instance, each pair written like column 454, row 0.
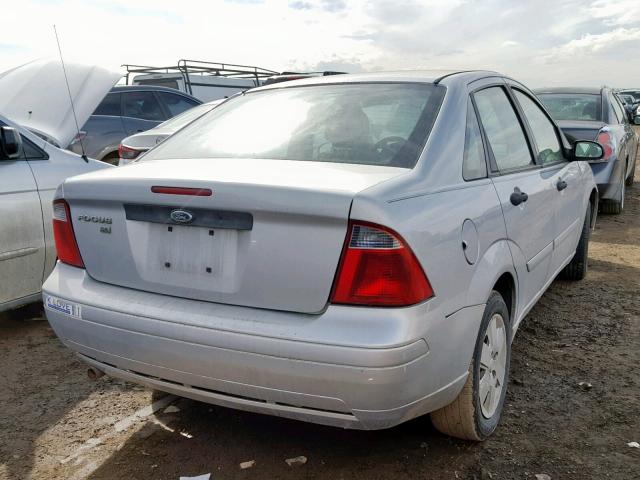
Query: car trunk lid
column 270, row 234
column 580, row 129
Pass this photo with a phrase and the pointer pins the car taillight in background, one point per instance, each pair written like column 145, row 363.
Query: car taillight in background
column 127, row 153
column 79, row 137
column 378, row 268
column 66, row 244
column 606, row 140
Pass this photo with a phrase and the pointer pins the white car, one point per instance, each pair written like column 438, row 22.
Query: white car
column 34, row 98
column 134, row 145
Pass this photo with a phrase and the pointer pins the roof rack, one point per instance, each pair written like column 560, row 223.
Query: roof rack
column 198, row 68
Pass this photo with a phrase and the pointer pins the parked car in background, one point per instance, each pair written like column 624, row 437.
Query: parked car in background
column 124, row 111
column 135, row 145
column 355, row 250
column 206, row 81
column 635, row 93
column 630, row 105
column 597, row 114
column 31, row 168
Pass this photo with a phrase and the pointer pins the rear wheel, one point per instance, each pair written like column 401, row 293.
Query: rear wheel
column 614, row 207
column 576, row 269
column 475, row 413
column 631, row 177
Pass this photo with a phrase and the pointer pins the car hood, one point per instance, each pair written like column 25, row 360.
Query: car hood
column 35, row 95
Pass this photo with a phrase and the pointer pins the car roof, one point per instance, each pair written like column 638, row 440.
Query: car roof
column 582, row 90
column 412, row 76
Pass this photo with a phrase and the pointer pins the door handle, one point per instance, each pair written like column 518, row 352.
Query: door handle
column 561, row 185
column 517, row 197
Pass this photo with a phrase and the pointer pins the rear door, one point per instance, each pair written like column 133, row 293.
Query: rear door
column 566, row 176
column 21, row 231
column 103, row 130
column 141, row 111
column 525, row 191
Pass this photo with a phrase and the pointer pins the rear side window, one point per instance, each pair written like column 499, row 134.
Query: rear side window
column 383, row 124
column 143, row 105
column 176, row 104
column 543, row 130
column 474, row 165
column 109, row 106
column 31, row 151
column 504, row 132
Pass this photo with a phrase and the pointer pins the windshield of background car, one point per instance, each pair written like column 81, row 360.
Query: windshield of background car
column 367, row 123
column 186, row 117
column 572, row 106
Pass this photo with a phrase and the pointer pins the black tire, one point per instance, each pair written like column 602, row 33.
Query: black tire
column 631, row 177
column 614, row 207
column 463, row 418
column 27, row 312
column 576, row 269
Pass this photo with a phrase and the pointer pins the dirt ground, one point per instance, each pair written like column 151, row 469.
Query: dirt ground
column 55, row 424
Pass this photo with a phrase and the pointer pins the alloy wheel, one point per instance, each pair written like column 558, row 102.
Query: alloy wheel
column 493, row 361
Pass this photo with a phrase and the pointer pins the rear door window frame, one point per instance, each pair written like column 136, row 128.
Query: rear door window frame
column 166, row 108
column 529, row 131
column 614, row 101
column 493, row 170
column 119, row 95
column 471, row 102
column 163, row 109
column 43, row 154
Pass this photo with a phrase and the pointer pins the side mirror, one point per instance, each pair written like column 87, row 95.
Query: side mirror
column 585, row 150
column 10, row 142
column 636, row 120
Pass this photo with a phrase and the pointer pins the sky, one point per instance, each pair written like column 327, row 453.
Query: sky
column 539, row 42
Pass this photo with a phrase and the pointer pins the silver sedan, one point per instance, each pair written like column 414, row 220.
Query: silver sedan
column 353, row 251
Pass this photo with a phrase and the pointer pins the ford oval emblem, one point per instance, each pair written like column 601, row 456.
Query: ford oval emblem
column 181, row 216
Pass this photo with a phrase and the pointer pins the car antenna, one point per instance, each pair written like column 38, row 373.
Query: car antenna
column 73, row 108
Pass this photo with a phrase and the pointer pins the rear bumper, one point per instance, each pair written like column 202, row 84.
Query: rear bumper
column 350, row 367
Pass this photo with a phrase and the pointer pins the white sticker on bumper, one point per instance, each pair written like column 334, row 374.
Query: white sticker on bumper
column 63, row 306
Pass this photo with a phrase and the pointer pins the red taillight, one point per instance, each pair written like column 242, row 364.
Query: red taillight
column 66, row 244
column 198, row 192
column 128, row 153
column 606, row 140
column 378, row 268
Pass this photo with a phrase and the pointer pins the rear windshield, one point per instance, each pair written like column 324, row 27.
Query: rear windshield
column 572, row 106
column 372, row 123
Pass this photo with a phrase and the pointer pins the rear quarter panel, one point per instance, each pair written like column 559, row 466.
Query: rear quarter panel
column 432, row 226
column 49, row 174
column 104, row 134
